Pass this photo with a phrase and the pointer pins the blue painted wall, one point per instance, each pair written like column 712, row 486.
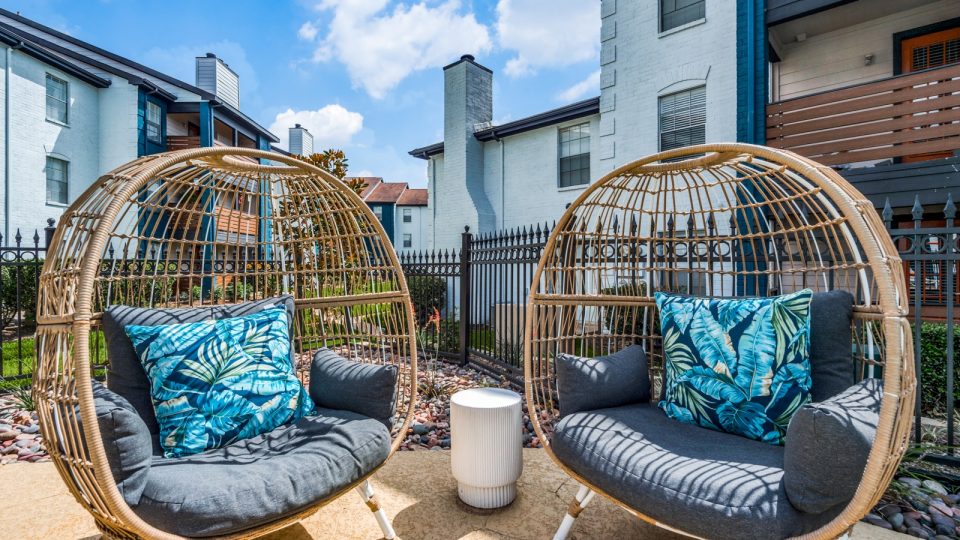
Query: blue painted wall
column 144, row 145
column 388, row 218
column 751, row 71
column 751, row 128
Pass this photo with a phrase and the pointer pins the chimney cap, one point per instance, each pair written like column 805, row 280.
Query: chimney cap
column 211, row 55
column 468, row 57
column 296, row 125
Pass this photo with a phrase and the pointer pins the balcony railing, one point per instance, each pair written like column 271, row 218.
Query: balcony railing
column 180, row 142
column 916, row 114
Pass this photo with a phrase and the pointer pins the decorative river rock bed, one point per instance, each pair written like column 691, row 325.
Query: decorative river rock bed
column 920, row 508
column 20, row 438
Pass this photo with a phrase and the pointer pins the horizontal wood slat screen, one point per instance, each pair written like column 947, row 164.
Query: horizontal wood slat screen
column 906, row 115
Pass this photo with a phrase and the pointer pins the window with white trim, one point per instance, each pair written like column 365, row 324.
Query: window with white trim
column 674, row 13
column 407, row 215
column 57, row 180
column 57, row 99
column 574, row 155
column 378, row 211
column 153, row 121
column 407, row 240
column 683, row 118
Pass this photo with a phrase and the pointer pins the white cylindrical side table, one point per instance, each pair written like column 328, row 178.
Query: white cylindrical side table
column 486, row 445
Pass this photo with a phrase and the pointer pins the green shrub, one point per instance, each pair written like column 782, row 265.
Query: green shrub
column 26, row 276
column 621, row 320
column 933, row 368
column 426, row 293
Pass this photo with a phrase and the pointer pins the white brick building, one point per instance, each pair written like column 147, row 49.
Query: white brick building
column 523, row 172
column 675, row 73
column 72, row 111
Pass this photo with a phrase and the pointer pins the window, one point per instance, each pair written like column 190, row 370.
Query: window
column 674, row 13
column 56, row 99
column 154, row 131
column 575, row 155
column 407, row 215
column 683, row 118
column 56, row 180
column 407, row 240
column 378, row 211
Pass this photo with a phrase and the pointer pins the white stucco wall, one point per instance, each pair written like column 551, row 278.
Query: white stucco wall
column 418, row 228
column 528, row 191
column 118, row 124
column 639, row 64
column 32, row 138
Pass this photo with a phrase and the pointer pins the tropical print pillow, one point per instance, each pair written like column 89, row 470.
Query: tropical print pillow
column 740, row 365
column 219, row 381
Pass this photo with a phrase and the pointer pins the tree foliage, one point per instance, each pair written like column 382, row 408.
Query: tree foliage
column 336, row 163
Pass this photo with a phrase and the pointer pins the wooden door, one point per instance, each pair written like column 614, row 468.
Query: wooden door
column 932, row 50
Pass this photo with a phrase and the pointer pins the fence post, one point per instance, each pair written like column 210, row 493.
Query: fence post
column 48, row 232
column 466, row 286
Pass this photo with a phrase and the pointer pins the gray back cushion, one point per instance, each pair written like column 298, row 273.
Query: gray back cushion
column 127, row 442
column 125, row 374
column 827, row 447
column 831, row 343
column 616, row 379
column 345, row 385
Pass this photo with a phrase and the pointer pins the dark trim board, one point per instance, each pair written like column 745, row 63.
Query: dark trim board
column 573, row 111
column 931, row 180
column 781, row 11
column 426, row 152
column 21, row 43
column 914, row 32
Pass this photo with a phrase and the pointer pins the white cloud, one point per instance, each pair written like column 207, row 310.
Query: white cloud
column 307, row 32
column 180, row 62
column 332, row 126
column 381, row 47
column 582, row 88
column 547, row 34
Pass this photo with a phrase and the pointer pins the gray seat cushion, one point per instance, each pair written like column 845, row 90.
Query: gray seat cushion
column 831, row 343
column 616, row 379
column 838, row 431
column 367, row 389
column 125, row 374
column 262, row 479
column 708, row 483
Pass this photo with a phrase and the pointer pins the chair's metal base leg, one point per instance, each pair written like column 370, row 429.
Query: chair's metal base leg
column 366, row 493
column 583, row 498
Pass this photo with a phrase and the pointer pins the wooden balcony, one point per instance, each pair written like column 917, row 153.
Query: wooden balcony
column 913, row 116
column 235, row 221
column 181, row 142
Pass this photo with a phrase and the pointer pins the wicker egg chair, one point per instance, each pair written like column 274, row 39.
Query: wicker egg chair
column 209, row 227
column 721, row 221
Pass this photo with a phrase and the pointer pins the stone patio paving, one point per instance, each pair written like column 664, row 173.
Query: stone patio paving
column 415, row 488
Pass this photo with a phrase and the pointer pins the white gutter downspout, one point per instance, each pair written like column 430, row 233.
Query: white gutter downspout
column 503, row 186
column 6, row 143
column 433, row 199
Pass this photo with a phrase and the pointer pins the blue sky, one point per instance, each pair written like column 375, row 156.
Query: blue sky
column 362, row 75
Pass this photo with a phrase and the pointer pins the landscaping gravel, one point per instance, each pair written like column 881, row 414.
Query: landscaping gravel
column 920, row 508
column 20, row 438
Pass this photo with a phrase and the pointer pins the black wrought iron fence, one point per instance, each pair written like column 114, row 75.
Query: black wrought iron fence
column 930, row 249
column 481, row 294
column 20, row 264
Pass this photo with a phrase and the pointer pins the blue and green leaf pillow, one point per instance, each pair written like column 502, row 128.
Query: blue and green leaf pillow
column 736, row 365
column 218, row 381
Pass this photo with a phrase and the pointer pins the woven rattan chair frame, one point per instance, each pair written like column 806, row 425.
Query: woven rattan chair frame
column 168, row 230
column 719, row 220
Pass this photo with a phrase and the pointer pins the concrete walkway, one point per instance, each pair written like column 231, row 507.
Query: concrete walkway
column 415, row 488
